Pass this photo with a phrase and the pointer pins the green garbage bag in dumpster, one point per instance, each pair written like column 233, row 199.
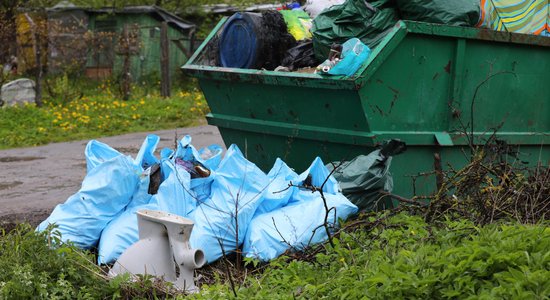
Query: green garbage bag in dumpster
column 449, row 12
column 367, row 21
column 364, row 178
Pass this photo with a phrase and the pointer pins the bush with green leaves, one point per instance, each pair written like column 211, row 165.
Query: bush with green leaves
column 37, row 266
column 406, row 258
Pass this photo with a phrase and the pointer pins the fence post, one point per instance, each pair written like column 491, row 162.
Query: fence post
column 164, row 61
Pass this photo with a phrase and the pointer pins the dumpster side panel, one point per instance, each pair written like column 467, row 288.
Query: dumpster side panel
column 506, row 87
column 329, row 108
column 410, row 92
column 427, row 88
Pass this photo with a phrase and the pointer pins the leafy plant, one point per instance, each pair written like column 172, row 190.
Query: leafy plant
column 406, row 258
column 37, row 265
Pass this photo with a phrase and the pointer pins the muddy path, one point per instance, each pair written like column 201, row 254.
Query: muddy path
column 34, row 180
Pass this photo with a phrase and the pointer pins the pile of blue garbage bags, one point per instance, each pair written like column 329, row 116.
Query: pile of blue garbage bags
column 233, row 203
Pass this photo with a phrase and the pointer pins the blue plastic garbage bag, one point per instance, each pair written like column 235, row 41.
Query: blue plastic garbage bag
column 208, row 157
column 317, row 173
column 174, row 196
column 278, row 192
column 211, row 155
column 146, row 155
column 97, row 152
column 166, row 153
column 104, row 194
column 222, row 220
column 297, row 224
column 294, row 227
column 177, row 194
column 354, row 54
column 143, row 161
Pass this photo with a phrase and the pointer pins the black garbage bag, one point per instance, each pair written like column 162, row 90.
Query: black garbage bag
column 449, row 12
column 300, row 56
column 364, row 177
column 277, row 39
column 367, row 21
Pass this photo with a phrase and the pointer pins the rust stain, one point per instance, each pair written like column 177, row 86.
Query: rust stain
column 456, row 113
column 395, row 96
column 292, row 113
column 447, row 68
column 395, row 91
column 379, row 110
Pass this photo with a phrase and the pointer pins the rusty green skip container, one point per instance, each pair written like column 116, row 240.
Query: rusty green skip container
column 425, row 84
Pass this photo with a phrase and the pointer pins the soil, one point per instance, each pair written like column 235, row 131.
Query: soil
column 34, row 180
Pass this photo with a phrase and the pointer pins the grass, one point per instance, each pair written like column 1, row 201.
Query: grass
column 39, row 266
column 97, row 112
column 401, row 257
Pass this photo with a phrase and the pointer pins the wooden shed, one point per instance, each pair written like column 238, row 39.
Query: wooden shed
column 103, row 42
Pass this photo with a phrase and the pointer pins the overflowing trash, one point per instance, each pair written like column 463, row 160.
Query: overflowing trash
column 456, row 13
column 367, row 21
column 362, row 178
column 315, row 7
column 259, row 41
column 233, row 204
column 254, row 41
column 531, row 17
column 345, row 59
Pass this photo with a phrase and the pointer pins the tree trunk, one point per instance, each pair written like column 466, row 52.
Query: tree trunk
column 164, row 61
column 38, row 60
column 126, row 76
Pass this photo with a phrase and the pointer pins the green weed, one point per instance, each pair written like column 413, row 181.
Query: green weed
column 407, row 258
column 98, row 112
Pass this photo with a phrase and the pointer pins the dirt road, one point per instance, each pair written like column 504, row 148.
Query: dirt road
column 34, row 180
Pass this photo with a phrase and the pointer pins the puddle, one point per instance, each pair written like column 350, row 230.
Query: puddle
column 19, row 158
column 7, row 185
column 80, row 165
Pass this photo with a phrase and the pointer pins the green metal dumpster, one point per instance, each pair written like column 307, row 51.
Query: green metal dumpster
column 425, row 84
